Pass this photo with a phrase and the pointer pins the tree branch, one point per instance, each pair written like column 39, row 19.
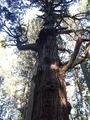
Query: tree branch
column 63, row 49
column 76, row 50
column 33, row 47
column 72, row 31
column 56, row 5
column 81, row 58
column 7, row 30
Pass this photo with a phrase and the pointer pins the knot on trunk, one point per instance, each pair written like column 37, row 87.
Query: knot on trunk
column 51, row 85
column 40, row 70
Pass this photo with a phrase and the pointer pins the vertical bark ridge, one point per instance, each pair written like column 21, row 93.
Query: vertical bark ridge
column 50, row 100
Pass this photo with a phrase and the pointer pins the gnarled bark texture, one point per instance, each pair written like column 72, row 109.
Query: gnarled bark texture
column 50, row 99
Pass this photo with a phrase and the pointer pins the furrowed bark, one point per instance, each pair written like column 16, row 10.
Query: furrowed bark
column 50, row 99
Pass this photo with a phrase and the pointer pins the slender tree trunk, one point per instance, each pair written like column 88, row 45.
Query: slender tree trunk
column 81, row 101
column 30, row 102
column 86, row 75
column 50, row 100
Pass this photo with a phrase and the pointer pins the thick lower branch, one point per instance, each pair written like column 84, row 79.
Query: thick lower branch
column 33, row 47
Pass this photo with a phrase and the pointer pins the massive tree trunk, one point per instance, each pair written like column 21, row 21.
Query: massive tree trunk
column 50, row 99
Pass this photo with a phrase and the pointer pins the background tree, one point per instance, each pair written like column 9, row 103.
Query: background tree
column 16, row 82
column 13, row 73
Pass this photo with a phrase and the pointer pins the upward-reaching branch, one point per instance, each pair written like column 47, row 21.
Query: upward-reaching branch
column 81, row 58
column 7, row 30
column 76, row 51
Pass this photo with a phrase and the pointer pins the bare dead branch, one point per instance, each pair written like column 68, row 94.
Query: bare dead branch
column 79, row 16
column 66, row 23
column 63, row 49
column 41, row 16
column 62, row 2
column 9, row 31
column 62, row 28
column 56, row 5
column 86, row 40
column 3, row 30
column 73, row 31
